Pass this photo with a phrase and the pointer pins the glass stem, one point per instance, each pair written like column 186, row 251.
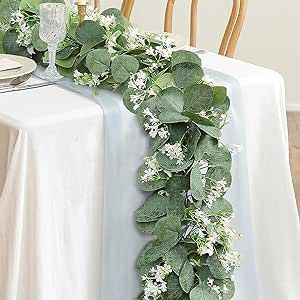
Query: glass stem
column 52, row 56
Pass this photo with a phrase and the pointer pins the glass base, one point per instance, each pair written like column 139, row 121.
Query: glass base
column 50, row 74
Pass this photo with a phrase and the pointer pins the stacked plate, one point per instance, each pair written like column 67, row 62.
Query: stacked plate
column 15, row 70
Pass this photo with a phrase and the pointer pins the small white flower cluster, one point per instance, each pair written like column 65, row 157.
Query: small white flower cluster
column 198, row 231
column 153, row 125
column 19, row 21
column 155, row 283
column 219, row 291
column 86, row 79
column 158, row 55
column 4, row 26
column 212, row 113
column 208, row 113
column 229, row 260
column 153, row 169
column 111, row 43
column 207, row 233
column 217, row 189
column 138, row 80
column 174, row 151
column 108, row 22
column 234, row 148
column 163, row 51
column 136, row 39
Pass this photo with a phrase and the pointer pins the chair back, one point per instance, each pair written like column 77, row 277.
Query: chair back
column 232, row 31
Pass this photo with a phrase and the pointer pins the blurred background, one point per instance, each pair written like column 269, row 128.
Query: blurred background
column 270, row 36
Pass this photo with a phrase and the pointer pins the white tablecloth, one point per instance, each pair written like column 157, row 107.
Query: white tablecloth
column 56, row 239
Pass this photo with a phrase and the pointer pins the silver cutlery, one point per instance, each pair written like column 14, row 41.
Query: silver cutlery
column 27, row 87
column 16, row 81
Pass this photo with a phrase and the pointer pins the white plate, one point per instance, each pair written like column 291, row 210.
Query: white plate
column 28, row 66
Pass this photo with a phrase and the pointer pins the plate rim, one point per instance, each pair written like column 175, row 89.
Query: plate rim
column 34, row 66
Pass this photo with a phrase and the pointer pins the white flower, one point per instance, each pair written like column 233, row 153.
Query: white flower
column 20, row 23
column 138, row 80
column 217, row 189
column 87, row 79
column 153, row 125
column 155, row 282
column 174, row 151
column 234, row 148
column 108, row 22
column 135, row 38
column 229, row 260
column 152, row 171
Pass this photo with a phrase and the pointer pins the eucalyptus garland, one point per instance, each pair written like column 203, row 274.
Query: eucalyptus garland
column 187, row 170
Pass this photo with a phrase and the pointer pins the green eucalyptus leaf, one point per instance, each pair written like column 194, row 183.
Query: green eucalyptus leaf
column 66, row 72
column 175, row 291
column 86, row 48
column 153, row 209
column 68, row 62
column 178, row 184
column 161, row 247
column 206, row 145
column 142, row 264
column 66, row 52
column 210, row 130
column 7, row 7
column 177, row 131
column 217, row 174
column 88, row 32
column 196, row 183
column 220, row 207
column 37, row 43
column 196, row 118
column 220, row 156
column 198, row 97
column 202, row 292
column 147, row 228
column 187, row 74
column 184, row 56
column 187, row 277
column 172, row 164
column 204, row 272
column 220, row 93
column 98, row 61
column 123, row 66
column 170, row 99
column 230, row 288
column 175, row 205
column 191, row 139
column 176, row 257
column 167, row 226
column 216, row 268
column 168, row 117
column 10, row 45
column 164, row 80
column 1, row 39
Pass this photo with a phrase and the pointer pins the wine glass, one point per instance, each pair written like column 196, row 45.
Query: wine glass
column 52, row 31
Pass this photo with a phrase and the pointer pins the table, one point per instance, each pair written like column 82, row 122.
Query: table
column 68, row 194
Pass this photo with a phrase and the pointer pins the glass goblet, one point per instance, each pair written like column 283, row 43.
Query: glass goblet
column 52, row 31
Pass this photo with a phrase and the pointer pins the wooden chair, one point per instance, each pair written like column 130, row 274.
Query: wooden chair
column 232, row 32
column 126, row 7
